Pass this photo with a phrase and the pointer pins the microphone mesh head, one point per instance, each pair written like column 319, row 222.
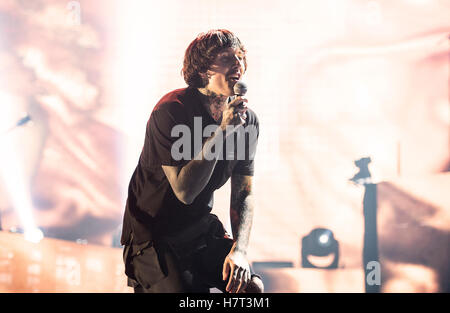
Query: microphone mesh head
column 240, row 88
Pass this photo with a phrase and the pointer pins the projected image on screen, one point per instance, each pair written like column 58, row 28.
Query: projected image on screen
column 332, row 83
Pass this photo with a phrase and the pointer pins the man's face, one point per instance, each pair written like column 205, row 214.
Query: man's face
column 227, row 68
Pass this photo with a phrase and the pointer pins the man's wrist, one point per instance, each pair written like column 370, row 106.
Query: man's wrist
column 239, row 249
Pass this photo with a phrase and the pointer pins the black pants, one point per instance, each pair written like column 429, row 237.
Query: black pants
column 194, row 266
column 206, row 269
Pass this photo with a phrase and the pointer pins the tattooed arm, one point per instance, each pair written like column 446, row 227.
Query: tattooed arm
column 236, row 267
column 241, row 210
column 188, row 181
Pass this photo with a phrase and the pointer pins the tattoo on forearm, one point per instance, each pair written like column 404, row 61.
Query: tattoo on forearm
column 241, row 210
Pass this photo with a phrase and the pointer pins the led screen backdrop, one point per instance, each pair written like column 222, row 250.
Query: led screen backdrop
column 331, row 82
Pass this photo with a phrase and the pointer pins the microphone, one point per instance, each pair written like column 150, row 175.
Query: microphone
column 240, row 89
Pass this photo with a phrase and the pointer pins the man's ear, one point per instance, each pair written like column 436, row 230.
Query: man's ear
column 205, row 75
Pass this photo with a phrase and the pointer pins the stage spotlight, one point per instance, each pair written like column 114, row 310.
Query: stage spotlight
column 12, row 167
column 320, row 242
column 33, row 235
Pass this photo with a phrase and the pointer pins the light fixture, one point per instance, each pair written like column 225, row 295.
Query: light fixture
column 320, row 242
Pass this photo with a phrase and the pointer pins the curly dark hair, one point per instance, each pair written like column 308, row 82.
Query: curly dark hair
column 202, row 51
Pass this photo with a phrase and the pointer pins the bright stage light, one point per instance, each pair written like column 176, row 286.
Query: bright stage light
column 141, row 52
column 33, row 235
column 323, row 239
column 12, row 169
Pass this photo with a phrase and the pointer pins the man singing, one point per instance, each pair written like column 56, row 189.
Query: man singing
column 172, row 241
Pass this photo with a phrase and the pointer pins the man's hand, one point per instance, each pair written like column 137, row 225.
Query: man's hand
column 234, row 113
column 237, row 271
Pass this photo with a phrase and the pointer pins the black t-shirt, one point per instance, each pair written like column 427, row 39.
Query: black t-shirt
column 152, row 208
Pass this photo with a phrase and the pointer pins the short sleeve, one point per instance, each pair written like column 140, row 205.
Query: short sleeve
column 163, row 123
